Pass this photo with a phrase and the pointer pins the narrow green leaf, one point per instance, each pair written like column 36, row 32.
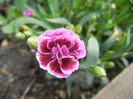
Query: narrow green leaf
column 56, row 4
column 93, row 51
column 58, row 20
column 10, row 13
column 87, row 17
column 34, row 12
column 42, row 10
column 2, row 20
column 8, row 29
column 69, row 86
column 13, row 26
column 124, row 61
column 53, row 6
column 104, row 81
column 110, row 41
column 20, row 4
column 76, row 3
column 129, row 35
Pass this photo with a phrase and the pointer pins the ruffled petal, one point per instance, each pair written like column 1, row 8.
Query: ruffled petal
column 62, row 31
column 51, row 43
column 78, row 49
column 42, row 46
column 68, row 64
column 64, row 50
column 43, row 60
column 61, row 40
column 54, row 69
column 80, row 53
column 47, row 33
column 76, row 45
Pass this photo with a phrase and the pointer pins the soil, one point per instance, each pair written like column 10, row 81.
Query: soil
column 21, row 78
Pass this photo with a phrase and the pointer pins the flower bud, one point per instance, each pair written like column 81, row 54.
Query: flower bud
column 78, row 29
column 27, row 13
column 113, row 6
column 125, row 54
column 94, row 17
column 70, row 27
column 28, row 34
column 24, row 28
column 109, row 65
column 32, row 42
column 20, row 35
column 107, row 54
column 97, row 71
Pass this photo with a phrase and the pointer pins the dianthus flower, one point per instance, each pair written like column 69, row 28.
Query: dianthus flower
column 27, row 13
column 59, row 51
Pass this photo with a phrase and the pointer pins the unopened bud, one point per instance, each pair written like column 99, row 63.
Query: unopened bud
column 125, row 54
column 20, row 35
column 97, row 71
column 109, row 65
column 70, row 27
column 28, row 34
column 78, row 29
column 24, row 28
column 32, row 42
column 94, row 17
column 108, row 54
column 21, row 28
column 113, row 6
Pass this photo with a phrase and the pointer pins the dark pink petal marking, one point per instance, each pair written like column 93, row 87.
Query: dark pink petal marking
column 75, row 46
column 42, row 46
column 43, row 60
column 78, row 49
column 68, row 64
column 64, row 50
column 61, row 40
column 51, row 43
column 54, row 69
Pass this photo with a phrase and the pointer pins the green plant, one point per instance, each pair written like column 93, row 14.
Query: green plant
column 105, row 27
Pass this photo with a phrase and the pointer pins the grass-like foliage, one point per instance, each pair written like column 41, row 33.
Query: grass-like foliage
column 104, row 25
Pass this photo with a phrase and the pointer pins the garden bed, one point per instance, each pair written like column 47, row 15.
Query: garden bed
column 22, row 78
column 65, row 49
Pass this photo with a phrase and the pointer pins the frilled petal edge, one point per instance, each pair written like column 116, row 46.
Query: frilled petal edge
column 43, row 60
column 54, row 69
column 42, row 45
column 68, row 64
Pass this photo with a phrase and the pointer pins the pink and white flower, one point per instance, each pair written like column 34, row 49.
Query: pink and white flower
column 27, row 13
column 59, row 51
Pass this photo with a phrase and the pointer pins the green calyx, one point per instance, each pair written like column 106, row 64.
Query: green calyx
column 97, row 71
column 20, row 35
column 32, row 42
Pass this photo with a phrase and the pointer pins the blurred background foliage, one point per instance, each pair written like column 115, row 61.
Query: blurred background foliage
column 104, row 25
